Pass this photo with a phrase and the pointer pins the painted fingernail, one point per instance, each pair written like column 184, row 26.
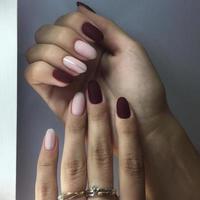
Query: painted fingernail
column 74, row 64
column 85, row 50
column 62, row 76
column 92, row 32
column 94, row 92
column 85, row 6
column 78, row 104
column 123, row 110
column 50, row 139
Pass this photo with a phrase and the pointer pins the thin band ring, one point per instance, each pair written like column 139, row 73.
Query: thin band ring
column 72, row 195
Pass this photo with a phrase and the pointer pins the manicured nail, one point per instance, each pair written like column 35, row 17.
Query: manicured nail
column 94, row 92
column 78, row 104
column 62, row 76
column 123, row 110
column 84, row 5
column 50, row 139
column 85, row 50
column 92, row 32
column 74, row 64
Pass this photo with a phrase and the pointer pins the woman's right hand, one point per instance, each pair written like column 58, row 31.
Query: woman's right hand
column 92, row 166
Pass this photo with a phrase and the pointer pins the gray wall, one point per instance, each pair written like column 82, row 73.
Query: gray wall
column 170, row 31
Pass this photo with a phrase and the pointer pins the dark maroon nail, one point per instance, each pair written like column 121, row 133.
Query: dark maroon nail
column 123, row 110
column 92, row 32
column 85, row 6
column 94, row 92
column 62, row 76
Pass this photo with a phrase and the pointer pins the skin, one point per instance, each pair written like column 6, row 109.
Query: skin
column 94, row 166
column 122, row 68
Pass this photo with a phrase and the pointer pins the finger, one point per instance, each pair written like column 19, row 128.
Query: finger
column 67, row 39
column 131, row 167
column 73, row 167
column 115, row 39
column 43, row 77
column 46, row 179
column 55, row 56
column 42, row 73
column 75, row 21
column 100, row 158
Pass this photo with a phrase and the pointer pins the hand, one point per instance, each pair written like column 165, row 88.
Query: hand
column 122, row 67
column 95, row 165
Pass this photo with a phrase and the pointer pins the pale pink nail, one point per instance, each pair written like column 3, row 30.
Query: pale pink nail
column 78, row 104
column 85, row 50
column 74, row 64
column 50, row 139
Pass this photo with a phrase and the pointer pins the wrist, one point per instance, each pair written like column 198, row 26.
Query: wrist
column 172, row 161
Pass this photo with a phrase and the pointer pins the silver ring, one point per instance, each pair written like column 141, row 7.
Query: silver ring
column 96, row 191
column 72, row 195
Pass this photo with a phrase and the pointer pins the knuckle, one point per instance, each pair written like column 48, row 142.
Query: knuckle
column 31, row 72
column 43, row 190
column 75, row 168
column 46, row 164
column 133, row 166
column 28, row 53
column 101, row 154
column 41, row 30
column 46, row 189
column 70, row 17
column 127, row 127
column 45, row 51
column 99, row 114
column 137, row 45
column 76, row 127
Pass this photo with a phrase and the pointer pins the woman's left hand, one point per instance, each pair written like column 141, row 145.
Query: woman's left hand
column 92, row 165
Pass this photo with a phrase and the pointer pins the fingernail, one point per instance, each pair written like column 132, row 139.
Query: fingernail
column 123, row 110
column 78, row 104
column 94, row 92
column 85, row 50
column 92, row 32
column 50, row 139
column 62, row 76
column 84, row 5
column 74, row 64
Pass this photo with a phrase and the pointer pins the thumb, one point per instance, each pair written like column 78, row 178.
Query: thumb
column 115, row 38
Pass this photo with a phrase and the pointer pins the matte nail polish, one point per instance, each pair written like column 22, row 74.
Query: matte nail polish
column 85, row 6
column 50, row 139
column 92, row 32
column 123, row 110
column 94, row 92
column 62, row 76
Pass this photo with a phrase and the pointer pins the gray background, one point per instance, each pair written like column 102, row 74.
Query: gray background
column 170, row 31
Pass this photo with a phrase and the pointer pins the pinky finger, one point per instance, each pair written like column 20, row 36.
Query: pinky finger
column 46, row 179
column 131, row 165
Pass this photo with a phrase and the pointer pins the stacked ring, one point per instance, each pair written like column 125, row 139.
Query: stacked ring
column 94, row 191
